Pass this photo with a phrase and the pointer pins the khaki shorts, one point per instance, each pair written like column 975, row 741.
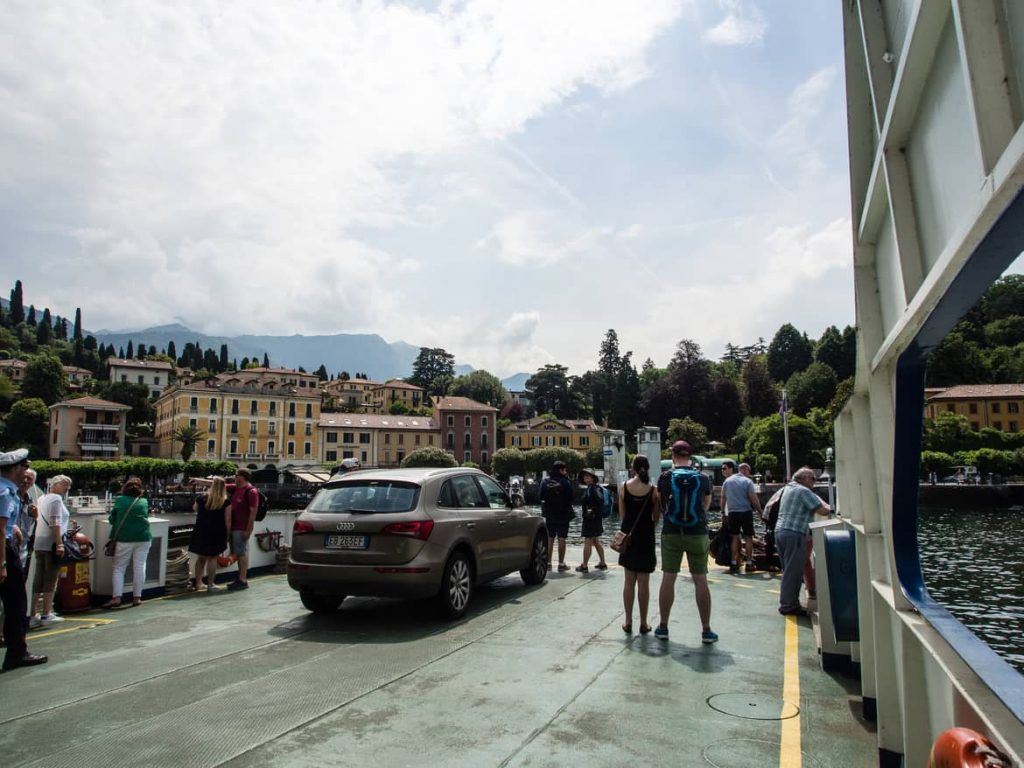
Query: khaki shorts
column 696, row 547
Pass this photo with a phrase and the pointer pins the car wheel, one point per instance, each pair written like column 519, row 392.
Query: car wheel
column 456, row 586
column 537, row 570
column 320, row 603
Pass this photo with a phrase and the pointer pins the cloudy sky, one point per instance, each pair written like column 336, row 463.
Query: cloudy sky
column 505, row 179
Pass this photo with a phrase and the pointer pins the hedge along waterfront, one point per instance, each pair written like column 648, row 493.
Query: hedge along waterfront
column 85, row 474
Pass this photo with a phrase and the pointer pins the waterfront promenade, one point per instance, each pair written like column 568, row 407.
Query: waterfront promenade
column 539, row 676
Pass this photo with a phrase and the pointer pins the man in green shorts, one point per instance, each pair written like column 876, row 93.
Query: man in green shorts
column 686, row 533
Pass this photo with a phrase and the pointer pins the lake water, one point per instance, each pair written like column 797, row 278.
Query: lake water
column 973, row 561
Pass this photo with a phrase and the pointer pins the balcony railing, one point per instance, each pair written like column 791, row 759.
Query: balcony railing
column 271, row 456
column 233, row 456
column 94, row 425
column 253, row 455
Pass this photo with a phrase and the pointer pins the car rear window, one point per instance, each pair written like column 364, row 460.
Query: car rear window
column 366, row 497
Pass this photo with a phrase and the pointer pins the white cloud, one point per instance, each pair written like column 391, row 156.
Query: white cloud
column 541, row 239
column 216, row 159
column 743, row 24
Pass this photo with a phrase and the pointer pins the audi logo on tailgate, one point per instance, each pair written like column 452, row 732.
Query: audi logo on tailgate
column 346, row 526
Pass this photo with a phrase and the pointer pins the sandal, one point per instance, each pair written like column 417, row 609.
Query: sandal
column 645, row 629
column 627, row 628
column 111, row 605
column 136, row 602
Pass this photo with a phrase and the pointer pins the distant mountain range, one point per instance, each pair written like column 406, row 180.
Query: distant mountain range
column 352, row 352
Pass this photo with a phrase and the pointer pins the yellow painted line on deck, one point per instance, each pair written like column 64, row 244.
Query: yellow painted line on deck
column 78, row 627
column 789, row 749
column 88, row 620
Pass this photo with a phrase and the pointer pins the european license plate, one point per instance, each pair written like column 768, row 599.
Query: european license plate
column 347, row 542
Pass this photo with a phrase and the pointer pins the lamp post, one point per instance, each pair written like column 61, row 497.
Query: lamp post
column 827, row 477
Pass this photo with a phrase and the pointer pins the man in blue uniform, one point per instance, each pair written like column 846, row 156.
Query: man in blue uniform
column 12, row 581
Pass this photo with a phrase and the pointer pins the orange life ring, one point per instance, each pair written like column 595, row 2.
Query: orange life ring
column 964, row 748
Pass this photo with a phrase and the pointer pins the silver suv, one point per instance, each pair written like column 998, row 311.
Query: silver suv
column 434, row 533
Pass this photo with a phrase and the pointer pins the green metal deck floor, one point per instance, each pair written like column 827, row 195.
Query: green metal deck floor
column 537, row 676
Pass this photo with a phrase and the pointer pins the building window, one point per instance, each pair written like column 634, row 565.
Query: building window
column 156, row 381
column 417, row 439
column 563, row 440
column 401, row 439
column 550, row 440
column 291, row 448
column 332, row 455
column 291, row 410
column 348, row 438
column 467, row 456
column 451, row 439
column 233, row 446
column 234, row 427
column 483, row 457
column 213, row 405
column 332, row 437
column 210, row 446
column 252, row 427
column 483, row 440
column 467, row 440
column 430, row 439
column 234, row 407
column 142, row 379
column 973, row 408
column 213, row 425
column 974, row 426
column 123, row 377
column 273, row 408
column 584, row 440
column 363, row 457
column 483, row 422
column 469, row 421
column 253, row 408
column 997, row 424
column 399, row 456
column 1013, row 426
column 252, row 447
column 387, row 438
column 451, row 420
column 193, row 404
column 309, row 410
column 192, row 423
column 535, row 441
column 950, row 408
column 271, row 427
column 1013, row 407
column 364, row 437
column 996, row 407
column 346, row 454
column 291, row 428
column 270, row 448
column 517, row 439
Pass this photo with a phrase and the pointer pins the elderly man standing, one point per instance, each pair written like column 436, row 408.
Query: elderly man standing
column 12, row 581
column 798, row 506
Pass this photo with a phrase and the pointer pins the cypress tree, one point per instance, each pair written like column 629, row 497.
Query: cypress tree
column 17, row 304
column 152, row 350
column 120, row 352
column 78, row 323
column 44, row 333
column 266, row 360
column 130, row 352
column 63, row 329
column 245, row 363
column 172, row 351
column 223, row 357
column 31, row 320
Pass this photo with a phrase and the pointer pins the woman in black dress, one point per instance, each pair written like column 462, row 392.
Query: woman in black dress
column 593, row 526
column 639, row 508
column 209, row 537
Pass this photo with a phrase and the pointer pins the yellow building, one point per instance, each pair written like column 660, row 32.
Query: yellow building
column 383, row 396
column 261, row 423
column 985, row 405
column 354, row 395
column 375, row 440
column 579, row 434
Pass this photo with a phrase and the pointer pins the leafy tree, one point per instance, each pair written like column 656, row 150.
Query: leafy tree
column 725, row 410
column 549, row 388
column 542, row 459
column 947, row 432
column 1006, row 331
column 44, row 378
column 429, row 456
column 989, row 460
column 188, row 437
column 8, row 340
column 844, row 391
column 481, row 386
column 7, row 393
column 27, row 426
column 687, row 429
column 398, row 408
column 767, row 462
column 806, row 441
column 789, row 352
column 516, row 412
column 838, row 351
column 134, row 395
column 1004, row 364
column 1005, row 297
column 759, row 393
column 936, row 461
column 17, row 310
column 956, row 361
column 813, row 387
column 434, row 370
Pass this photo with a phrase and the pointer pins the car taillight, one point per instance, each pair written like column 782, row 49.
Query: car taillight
column 417, row 529
column 302, row 526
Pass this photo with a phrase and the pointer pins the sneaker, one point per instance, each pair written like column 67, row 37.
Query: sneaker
column 214, row 589
column 734, row 568
column 35, row 622
column 661, row 632
column 563, row 567
column 708, row 637
column 237, row 585
column 792, row 611
column 582, row 569
column 50, row 619
column 602, row 566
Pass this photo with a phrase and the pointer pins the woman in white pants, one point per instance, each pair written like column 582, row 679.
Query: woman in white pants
column 129, row 527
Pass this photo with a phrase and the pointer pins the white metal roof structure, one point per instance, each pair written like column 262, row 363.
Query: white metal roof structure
column 934, row 95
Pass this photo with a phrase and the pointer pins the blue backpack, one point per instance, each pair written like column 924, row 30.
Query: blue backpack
column 685, row 505
column 609, row 503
